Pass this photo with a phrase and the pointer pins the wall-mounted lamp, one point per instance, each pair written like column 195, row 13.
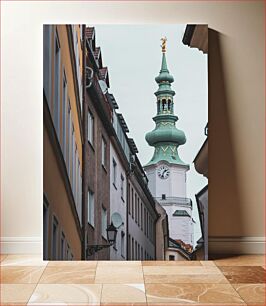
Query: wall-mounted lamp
column 111, row 237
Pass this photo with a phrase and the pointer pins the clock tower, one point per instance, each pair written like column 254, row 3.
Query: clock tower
column 166, row 171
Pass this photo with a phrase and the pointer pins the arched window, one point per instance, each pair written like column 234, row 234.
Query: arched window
column 164, row 104
column 169, row 104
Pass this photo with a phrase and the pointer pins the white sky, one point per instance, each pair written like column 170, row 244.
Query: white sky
column 133, row 55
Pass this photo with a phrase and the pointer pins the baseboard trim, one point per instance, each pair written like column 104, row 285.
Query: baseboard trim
column 21, row 245
column 236, row 245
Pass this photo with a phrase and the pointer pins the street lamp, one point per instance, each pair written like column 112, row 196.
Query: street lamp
column 111, row 237
column 111, row 234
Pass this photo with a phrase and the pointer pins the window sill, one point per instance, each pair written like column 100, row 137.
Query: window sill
column 92, row 226
column 104, row 168
column 91, row 145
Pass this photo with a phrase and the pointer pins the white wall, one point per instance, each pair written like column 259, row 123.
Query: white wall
column 242, row 51
column 117, row 205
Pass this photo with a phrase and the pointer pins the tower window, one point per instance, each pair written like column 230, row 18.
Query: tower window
column 169, row 104
column 164, row 104
column 163, row 196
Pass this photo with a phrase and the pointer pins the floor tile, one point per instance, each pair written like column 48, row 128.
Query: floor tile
column 185, row 274
column 73, row 294
column 248, row 274
column 123, row 293
column 68, row 275
column 251, row 293
column 209, row 263
column 73, row 263
column 192, row 293
column 24, row 260
column 242, row 260
column 119, row 274
column 2, row 256
column 128, row 263
column 21, row 275
column 16, row 293
column 170, row 263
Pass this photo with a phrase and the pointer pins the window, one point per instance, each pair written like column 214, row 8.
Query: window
column 54, row 240
column 129, row 198
column 163, row 196
column 114, row 172
column 136, row 208
column 69, row 138
column 104, row 148
column 145, row 232
column 129, row 246
column 138, row 211
column 62, row 246
column 136, row 250
column 90, row 128
column 45, row 230
column 122, row 244
column 141, row 216
column 104, row 223
column 122, row 187
column 171, row 257
column 64, row 114
column 142, row 253
column 68, row 252
column 147, row 225
column 91, row 208
column 132, row 249
column 78, row 190
column 169, row 104
column 72, row 157
column 74, row 170
column 132, row 202
column 56, row 85
column 77, row 179
column 47, row 62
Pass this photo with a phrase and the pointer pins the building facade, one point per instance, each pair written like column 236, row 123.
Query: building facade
column 166, row 171
column 119, row 164
column 142, row 214
column 62, row 142
column 97, row 132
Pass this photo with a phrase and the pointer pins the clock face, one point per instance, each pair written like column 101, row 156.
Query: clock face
column 163, row 172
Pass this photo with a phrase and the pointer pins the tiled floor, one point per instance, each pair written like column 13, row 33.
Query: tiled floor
column 27, row 280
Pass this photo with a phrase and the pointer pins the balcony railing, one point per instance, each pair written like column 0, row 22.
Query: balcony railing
column 174, row 200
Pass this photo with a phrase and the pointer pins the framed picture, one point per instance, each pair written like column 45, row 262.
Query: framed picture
column 125, row 142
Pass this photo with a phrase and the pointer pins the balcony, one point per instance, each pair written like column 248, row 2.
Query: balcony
column 165, row 201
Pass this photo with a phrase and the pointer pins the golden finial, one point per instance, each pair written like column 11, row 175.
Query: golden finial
column 163, row 45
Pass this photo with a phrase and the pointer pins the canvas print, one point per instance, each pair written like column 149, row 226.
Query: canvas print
column 125, row 142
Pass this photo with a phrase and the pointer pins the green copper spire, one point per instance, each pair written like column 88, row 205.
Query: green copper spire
column 165, row 138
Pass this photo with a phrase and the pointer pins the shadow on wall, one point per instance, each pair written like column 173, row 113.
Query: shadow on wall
column 225, row 218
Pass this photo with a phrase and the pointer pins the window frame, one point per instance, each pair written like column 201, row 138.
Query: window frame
column 90, row 128
column 104, row 222
column 54, row 240
column 114, row 174
column 104, row 152
column 90, row 208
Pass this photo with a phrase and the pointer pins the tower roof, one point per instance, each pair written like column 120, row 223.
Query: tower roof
column 164, row 75
column 166, row 138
